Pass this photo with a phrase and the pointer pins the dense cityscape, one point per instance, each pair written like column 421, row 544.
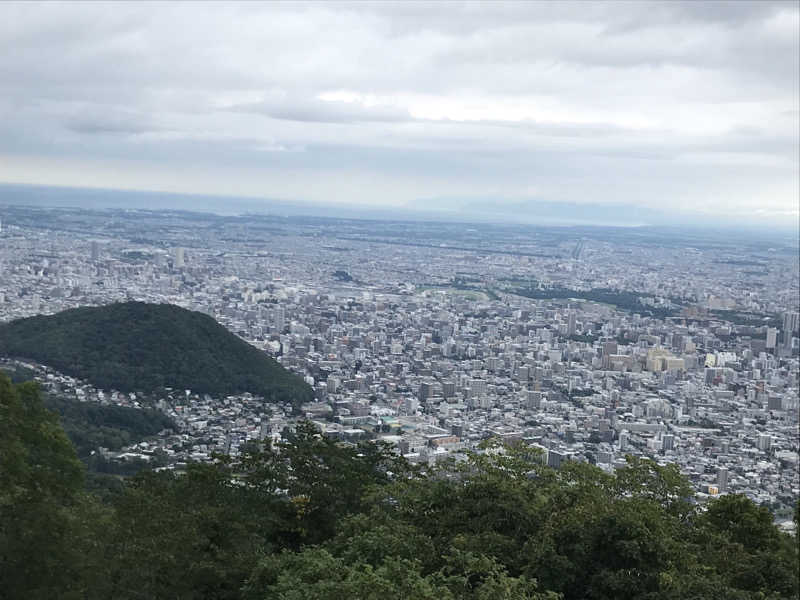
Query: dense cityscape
column 586, row 343
column 400, row 300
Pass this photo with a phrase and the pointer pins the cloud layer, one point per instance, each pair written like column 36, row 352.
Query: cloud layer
column 689, row 108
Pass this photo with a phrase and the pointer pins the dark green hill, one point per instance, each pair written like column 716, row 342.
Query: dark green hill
column 134, row 346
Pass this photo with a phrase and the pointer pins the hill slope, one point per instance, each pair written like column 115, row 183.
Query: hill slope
column 134, row 346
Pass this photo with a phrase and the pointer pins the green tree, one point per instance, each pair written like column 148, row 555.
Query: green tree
column 313, row 518
column 190, row 536
column 738, row 540
column 327, row 479
column 315, row 574
column 41, row 483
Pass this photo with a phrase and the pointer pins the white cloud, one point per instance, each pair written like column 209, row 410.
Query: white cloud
column 690, row 104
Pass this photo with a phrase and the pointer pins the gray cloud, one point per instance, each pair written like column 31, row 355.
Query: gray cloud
column 681, row 103
column 101, row 120
column 313, row 110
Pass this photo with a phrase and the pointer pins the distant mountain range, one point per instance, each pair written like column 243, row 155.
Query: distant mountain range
column 477, row 210
column 135, row 346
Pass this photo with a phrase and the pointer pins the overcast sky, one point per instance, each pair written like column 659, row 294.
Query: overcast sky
column 689, row 108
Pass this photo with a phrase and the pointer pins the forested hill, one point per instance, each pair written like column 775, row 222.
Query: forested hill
column 135, row 346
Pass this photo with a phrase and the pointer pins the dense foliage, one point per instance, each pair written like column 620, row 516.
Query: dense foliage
column 619, row 298
column 313, row 519
column 134, row 346
column 744, row 318
column 90, row 426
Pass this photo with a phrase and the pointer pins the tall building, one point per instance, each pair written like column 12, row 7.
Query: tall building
column 571, row 319
column 791, row 325
column 722, row 479
column 764, row 442
column 279, row 318
column 448, row 389
column 95, row 251
column 791, row 322
column 180, row 261
column 333, row 385
column 772, row 337
column 425, row 390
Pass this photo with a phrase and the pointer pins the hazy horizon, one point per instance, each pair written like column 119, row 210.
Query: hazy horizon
column 622, row 113
column 550, row 216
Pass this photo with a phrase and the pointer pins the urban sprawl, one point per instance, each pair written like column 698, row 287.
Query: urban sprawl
column 588, row 343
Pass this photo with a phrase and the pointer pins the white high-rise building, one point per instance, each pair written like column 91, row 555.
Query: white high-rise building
column 772, row 337
column 180, row 254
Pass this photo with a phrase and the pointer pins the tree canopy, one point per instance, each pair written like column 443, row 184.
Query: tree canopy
column 312, row 518
column 135, row 346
